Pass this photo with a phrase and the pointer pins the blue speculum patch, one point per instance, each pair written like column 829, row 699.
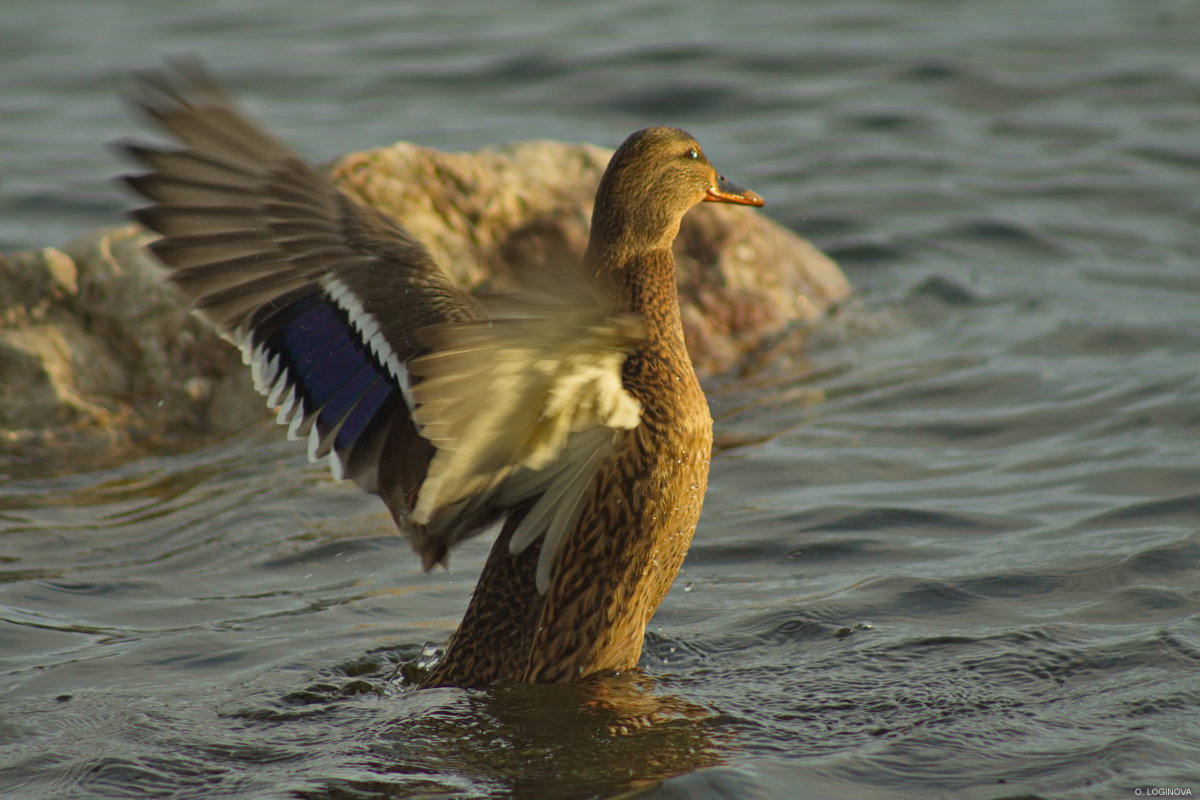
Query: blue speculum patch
column 336, row 372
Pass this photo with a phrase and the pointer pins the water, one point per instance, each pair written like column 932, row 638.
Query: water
column 952, row 554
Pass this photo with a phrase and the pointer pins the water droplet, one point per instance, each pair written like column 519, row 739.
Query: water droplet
column 428, row 656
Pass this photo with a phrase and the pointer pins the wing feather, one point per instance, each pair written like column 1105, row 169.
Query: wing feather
column 325, row 297
column 527, row 403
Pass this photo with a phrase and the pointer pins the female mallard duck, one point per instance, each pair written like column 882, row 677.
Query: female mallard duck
column 570, row 410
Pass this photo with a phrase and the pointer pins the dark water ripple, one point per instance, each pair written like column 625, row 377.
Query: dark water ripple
column 953, row 551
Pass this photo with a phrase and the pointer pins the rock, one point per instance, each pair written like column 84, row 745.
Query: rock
column 98, row 354
column 742, row 277
column 94, row 347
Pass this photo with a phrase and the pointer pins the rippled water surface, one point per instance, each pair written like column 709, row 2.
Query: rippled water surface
column 952, row 554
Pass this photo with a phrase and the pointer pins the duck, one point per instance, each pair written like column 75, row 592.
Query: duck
column 566, row 413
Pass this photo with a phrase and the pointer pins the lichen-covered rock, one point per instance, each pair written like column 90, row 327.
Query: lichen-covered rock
column 94, row 347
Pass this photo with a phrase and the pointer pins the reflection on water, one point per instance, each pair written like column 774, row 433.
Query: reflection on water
column 548, row 741
column 990, row 455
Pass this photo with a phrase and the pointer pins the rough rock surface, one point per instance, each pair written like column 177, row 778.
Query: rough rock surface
column 94, row 347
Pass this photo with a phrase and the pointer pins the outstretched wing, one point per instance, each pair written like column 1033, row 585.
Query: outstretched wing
column 325, row 297
column 369, row 350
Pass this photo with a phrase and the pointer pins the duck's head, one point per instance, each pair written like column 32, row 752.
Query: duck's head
column 655, row 176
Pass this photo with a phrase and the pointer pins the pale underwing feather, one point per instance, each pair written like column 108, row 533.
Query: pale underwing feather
column 566, row 483
column 528, row 403
column 505, row 395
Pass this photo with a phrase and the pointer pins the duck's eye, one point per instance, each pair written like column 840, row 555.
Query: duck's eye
column 692, row 153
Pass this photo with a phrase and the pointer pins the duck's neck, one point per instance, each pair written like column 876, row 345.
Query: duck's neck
column 643, row 282
column 623, row 231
